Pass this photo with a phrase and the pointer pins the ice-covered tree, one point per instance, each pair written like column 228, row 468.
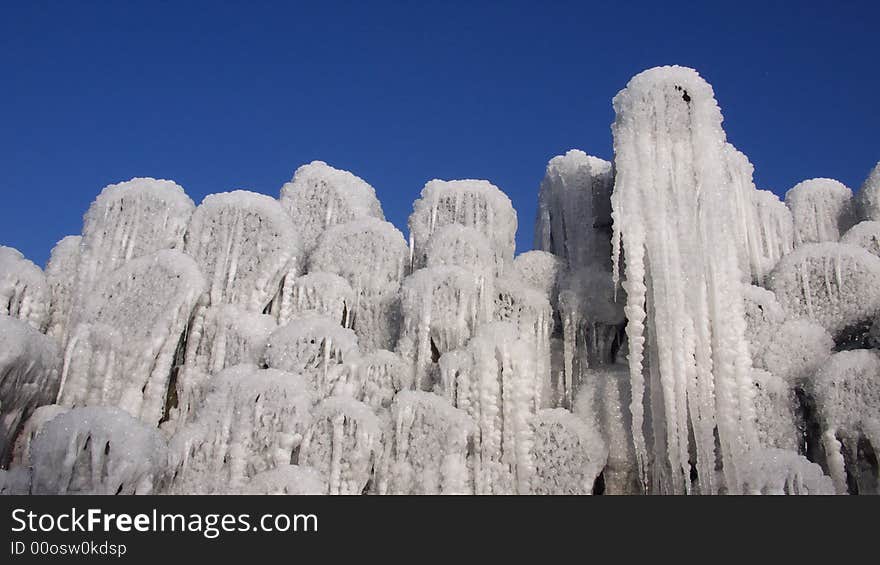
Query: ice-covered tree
column 822, row 209
column 320, row 196
column 24, row 293
column 472, row 203
column 97, row 450
column 29, row 364
column 371, row 255
column 124, row 346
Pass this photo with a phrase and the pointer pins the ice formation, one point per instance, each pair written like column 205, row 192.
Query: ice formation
column 865, row 235
column 97, row 450
column 244, row 244
column 603, row 402
column 320, row 196
column 129, row 220
column 251, row 421
column 426, row 448
column 471, row 203
column 371, row 255
column 494, row 380
column 540, row 270
column 441, row 309
column 343, row 443
column 675, row 330
column 325, row 294
column 568, row 454
column 125, row 343
column 822, row 209
column 24, row 293
column 576, row 190
column 837, row 285
column 775, row 230
column 781, row 471
column 380, row 375
column 28, row 377
column 318, row 348
column 61, row 277
column 688, row 356
column 217, row 337
column 286, row 480
column 847, row 392
column 868, row 200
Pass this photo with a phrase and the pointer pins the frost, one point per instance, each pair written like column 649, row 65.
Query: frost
column 495, row 382
column 218, row 337
column 775, row 403
column 674, row 220
column 320, row 196
column 426, row 448
column 24, row 293
column 540, row 270
column 316, row 347
column 472, row 203
column 865, row 235
column 780, row 471
column 380, row 376
column 130, row 220
column 822, row 209
column 868, row 198
column 574, row 209
column 227, row 335
column 122, row 351
column 97, row 450
column 847, row 392
column 531, row 314
column 343, row 443
column 61, row 276
column 442, row 307
column 28, row 376
column 776, row 229
column 244, row 244
column 371, row 255
column 252, row 420
column 286, row 480
column 569, row 454
column 324, row 294
column 834, row 284
column 793, row 350
column 462, row 246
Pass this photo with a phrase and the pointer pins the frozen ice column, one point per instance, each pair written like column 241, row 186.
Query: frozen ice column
column 688, row 356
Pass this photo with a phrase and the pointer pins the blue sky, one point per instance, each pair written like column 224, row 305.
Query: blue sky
column 218, row 96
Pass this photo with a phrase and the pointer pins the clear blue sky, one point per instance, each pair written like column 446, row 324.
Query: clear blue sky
column 218, row 96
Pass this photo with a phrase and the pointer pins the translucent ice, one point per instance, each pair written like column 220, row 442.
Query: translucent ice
column 574, row 209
